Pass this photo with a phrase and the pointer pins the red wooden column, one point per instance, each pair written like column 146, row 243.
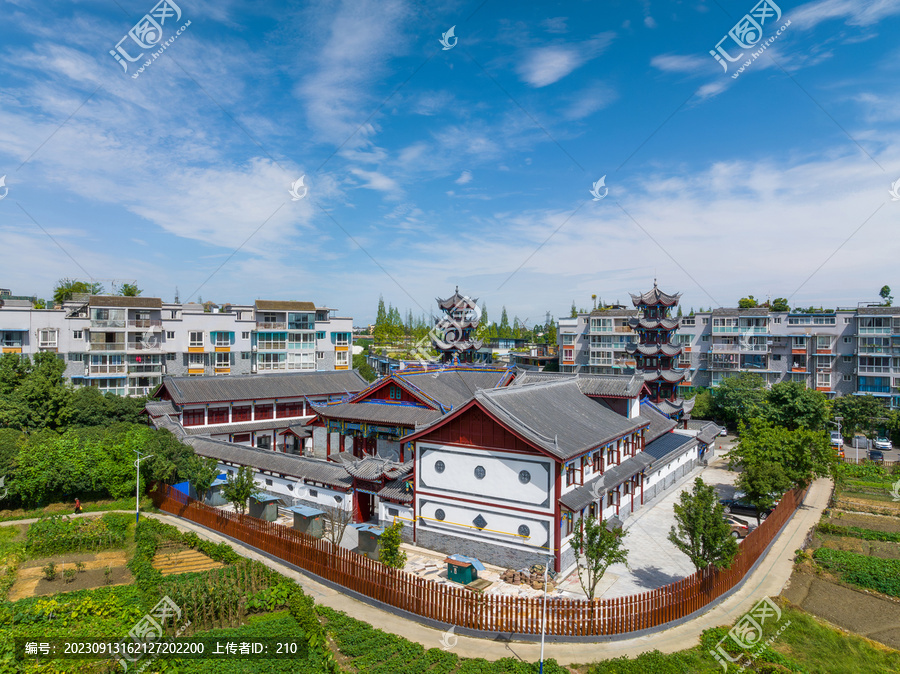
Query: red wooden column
column 327, row 441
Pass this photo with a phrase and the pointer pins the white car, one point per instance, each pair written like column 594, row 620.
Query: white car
column 883, row 443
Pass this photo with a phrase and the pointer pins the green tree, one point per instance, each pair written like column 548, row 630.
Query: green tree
column 780, row 304
column 573, row 312
column 10, row 443
column 239, row 488
column 130, row 290
column 504, row 331
column 703, row 405
column 14, row 368
column 792, row 405
column 66, row 288
column 763, row 483
column 700, row 530
column 739, row 398
column 859, row 413
column 361, row 365
column 748, row 302
column 204, row 472
column 551, row 333
column 885, row 294
column 389, row 552
column 596, row 548
column 803, row 454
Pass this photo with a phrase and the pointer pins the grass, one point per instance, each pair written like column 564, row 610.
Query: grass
column 68, row 508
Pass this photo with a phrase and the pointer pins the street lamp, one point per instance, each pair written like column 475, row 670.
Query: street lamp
column 137, row 487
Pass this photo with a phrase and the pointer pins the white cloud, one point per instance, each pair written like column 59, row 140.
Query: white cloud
column 679, row 63
column 545, row 65
column 374, row 180
column 854, row 12
column 650, row 22
column 464, row 177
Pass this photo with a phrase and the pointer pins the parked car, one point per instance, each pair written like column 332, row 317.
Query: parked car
column 740, row 505
column 876, row 456
column 836, row 439
column 883, row 443
column 739, row 527
column 723, row 432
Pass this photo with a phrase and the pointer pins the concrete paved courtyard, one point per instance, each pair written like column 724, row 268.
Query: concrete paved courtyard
column 652, row 560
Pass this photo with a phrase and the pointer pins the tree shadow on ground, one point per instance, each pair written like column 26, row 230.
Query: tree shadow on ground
column 653, row 577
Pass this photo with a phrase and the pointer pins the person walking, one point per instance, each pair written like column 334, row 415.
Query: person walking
column 77, row 506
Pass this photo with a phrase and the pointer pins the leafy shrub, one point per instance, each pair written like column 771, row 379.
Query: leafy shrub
column 68, row 575
column 79, row 566
column 49, row 571
column 881, row 575
column 58, row 534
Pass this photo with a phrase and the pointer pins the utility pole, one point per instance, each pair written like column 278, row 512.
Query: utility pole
column 544, row 615
column 137, row 487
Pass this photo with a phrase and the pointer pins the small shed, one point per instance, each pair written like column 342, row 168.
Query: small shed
column 309, row 520
column 462, row 569
column 264, row 507
column 369, row 538
column 214, row 495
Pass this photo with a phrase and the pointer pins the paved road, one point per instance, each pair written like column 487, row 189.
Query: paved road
column 768, row 580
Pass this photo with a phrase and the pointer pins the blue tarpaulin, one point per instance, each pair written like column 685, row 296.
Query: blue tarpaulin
column 471, row 560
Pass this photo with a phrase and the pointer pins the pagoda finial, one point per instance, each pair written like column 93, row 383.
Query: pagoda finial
column 457, row 290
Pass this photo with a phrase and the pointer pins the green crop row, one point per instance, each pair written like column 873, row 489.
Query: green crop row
column 881, row 575
column 859, row 532
column 58, row 534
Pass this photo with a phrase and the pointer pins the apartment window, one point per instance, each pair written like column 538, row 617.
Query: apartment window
column 567, row 523
column 847, row 359
column 174, row 314
column 241, row 413
column 264, row 441
column 611, row 498
column 218, row 415
column 292, row 409
column 848, row 340
column 342, row 339
column 776, row 356
column 170, row 334
column 223, row 360
column 626, row 487
column 245, row 335
column 221, row 339
column 704, row 338
column 196, row 338
column 77, row 334
column 48, row 338
column 847, row 320
column 705, row 321
column 568, row 339
column 848, row 377
column 245, row 355
column 193, row 418
column 320, row 355
column 170, row 356
column 241, row 437
column 570, row 474
column 75, row 356
column 196, row 359
column 320, row 334
column 342, row 358
column 777, row 319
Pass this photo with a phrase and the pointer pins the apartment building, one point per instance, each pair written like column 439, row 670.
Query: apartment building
column 846, row 351
column 124, row 345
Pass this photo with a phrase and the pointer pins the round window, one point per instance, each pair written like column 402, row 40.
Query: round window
column 479, row 472
column 439, row 515
column 524, row 476
column 524, row 531
column 439, row 466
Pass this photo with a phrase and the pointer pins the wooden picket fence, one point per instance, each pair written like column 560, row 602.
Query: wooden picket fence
column 464, row 608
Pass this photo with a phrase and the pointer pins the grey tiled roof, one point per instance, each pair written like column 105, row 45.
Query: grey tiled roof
column 127, row 302
column 668, row 444
column 261, row 386
column 878, row 311
column 614, row 313
column 613, row 476
column 611, row 386
column 680, row 405
column 557, row 417
column 454, row 386
column 654, row 296
column 313, row 470
column 394, row 491
column 708, row 433
column 659, row 422
column 158, row 408
column 374, row 469
column 399, row 415
column 277, row 305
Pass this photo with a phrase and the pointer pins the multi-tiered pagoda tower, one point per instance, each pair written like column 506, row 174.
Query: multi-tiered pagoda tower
column 656, row 351
column 454, row 333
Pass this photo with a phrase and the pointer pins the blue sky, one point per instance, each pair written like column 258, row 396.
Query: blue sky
column 429, row 168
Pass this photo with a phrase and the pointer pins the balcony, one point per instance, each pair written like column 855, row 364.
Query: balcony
column 867, row 388
column 100, row 370
column 733, row 348
column 271, row 346
column 145, row 324
column 140, row 391
column 271, row 326
column 144, row 346
column 107, row 346
column 150, row 368
column 874, row 331
column 874, row 369
column 726, row 329
column 108, row 323
column 610, row 329
column 753, row 330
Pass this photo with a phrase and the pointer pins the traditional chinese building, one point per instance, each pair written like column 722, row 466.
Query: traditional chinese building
column 454, row 333
column 655, row 352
